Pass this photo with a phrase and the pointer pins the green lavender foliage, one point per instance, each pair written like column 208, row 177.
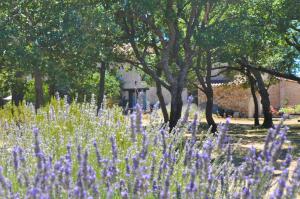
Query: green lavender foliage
column 66, row 151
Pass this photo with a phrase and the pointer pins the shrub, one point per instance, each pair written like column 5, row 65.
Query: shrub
column 288, row 110
column 76, row 154
column 291, row 109
column 297, row 108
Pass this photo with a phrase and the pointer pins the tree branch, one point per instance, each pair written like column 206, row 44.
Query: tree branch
column 271, row 72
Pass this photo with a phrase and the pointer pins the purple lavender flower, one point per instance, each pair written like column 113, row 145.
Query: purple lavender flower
column 33, row 193
column 79, row 154
column 178, row 191
column 2, row 179
column 186, row 114
column 144, row 152
column 133, row 127
column 228, row 120
column 188, row 154
column 123, row 190
column 154, row 186
column 114, row 148
column 124, row 194
column 281, row 184
column 166, row 194
column 127, row 166
column 135, row 161
column 295, row 182
column 162, row 132
column 191, row 187
column 194, row 127
column 95, row 191
column 288, row 159
column 38, row 153
column 222, row 129
column 139, row 118
column 136, row 188
column 153, row 164
column 15, row 158
column 245, row 193
column 99, row 158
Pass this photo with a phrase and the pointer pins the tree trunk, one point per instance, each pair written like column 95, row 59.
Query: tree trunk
column 209, row 110
column 253, row 92
column 18, row 89
column 159, row 88
column 209, row 94
column 38, row 84
column 176, row 105
column 1, row 102
column 265, row 101
column 52, row 89
column 101, row 86
column 256, row 112
column 162, row 102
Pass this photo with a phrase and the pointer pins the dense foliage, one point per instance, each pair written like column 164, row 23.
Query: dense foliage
column 67, row 151
column 175, row 43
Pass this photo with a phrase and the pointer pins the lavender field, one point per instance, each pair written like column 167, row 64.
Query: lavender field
column 66, row 151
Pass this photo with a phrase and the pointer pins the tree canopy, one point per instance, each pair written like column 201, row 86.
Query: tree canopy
column 60, row 43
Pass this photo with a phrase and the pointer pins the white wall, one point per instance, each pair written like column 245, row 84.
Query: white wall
column 251, row 106
column 152, row 97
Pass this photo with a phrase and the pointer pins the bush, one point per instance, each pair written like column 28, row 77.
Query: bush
column 297, row 108
column 78, row 155
column 291, row 109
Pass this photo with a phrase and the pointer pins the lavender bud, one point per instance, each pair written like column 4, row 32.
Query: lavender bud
column 133, row 127
column 79, row 154
column 114, row 148
column 99, row 158
column 127, row 167
column 178, row 191
column 139, row 118
column 15, row 158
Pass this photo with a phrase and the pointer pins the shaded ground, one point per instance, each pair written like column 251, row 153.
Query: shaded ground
column 253, row 136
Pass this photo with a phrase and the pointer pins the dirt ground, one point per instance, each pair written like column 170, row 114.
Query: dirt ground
column 251, row 136
column 249, row 121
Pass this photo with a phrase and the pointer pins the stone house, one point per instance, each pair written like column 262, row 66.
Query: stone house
column 284, row 93
column 238, row 98
column 135, row 90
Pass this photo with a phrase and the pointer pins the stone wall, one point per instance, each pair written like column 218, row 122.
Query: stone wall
column 284, row 93
column 232, row 97
column 237, row 98
column 274, row 95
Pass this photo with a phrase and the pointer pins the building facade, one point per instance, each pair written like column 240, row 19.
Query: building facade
column 238, row 98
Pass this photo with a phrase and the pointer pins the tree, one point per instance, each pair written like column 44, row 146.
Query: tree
column 254, row 41
column 174, row 27
column 102, row 70
column 27, row 42
column 58, row 41
column 253, row 89
column 210, row 42
column 206, row 88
